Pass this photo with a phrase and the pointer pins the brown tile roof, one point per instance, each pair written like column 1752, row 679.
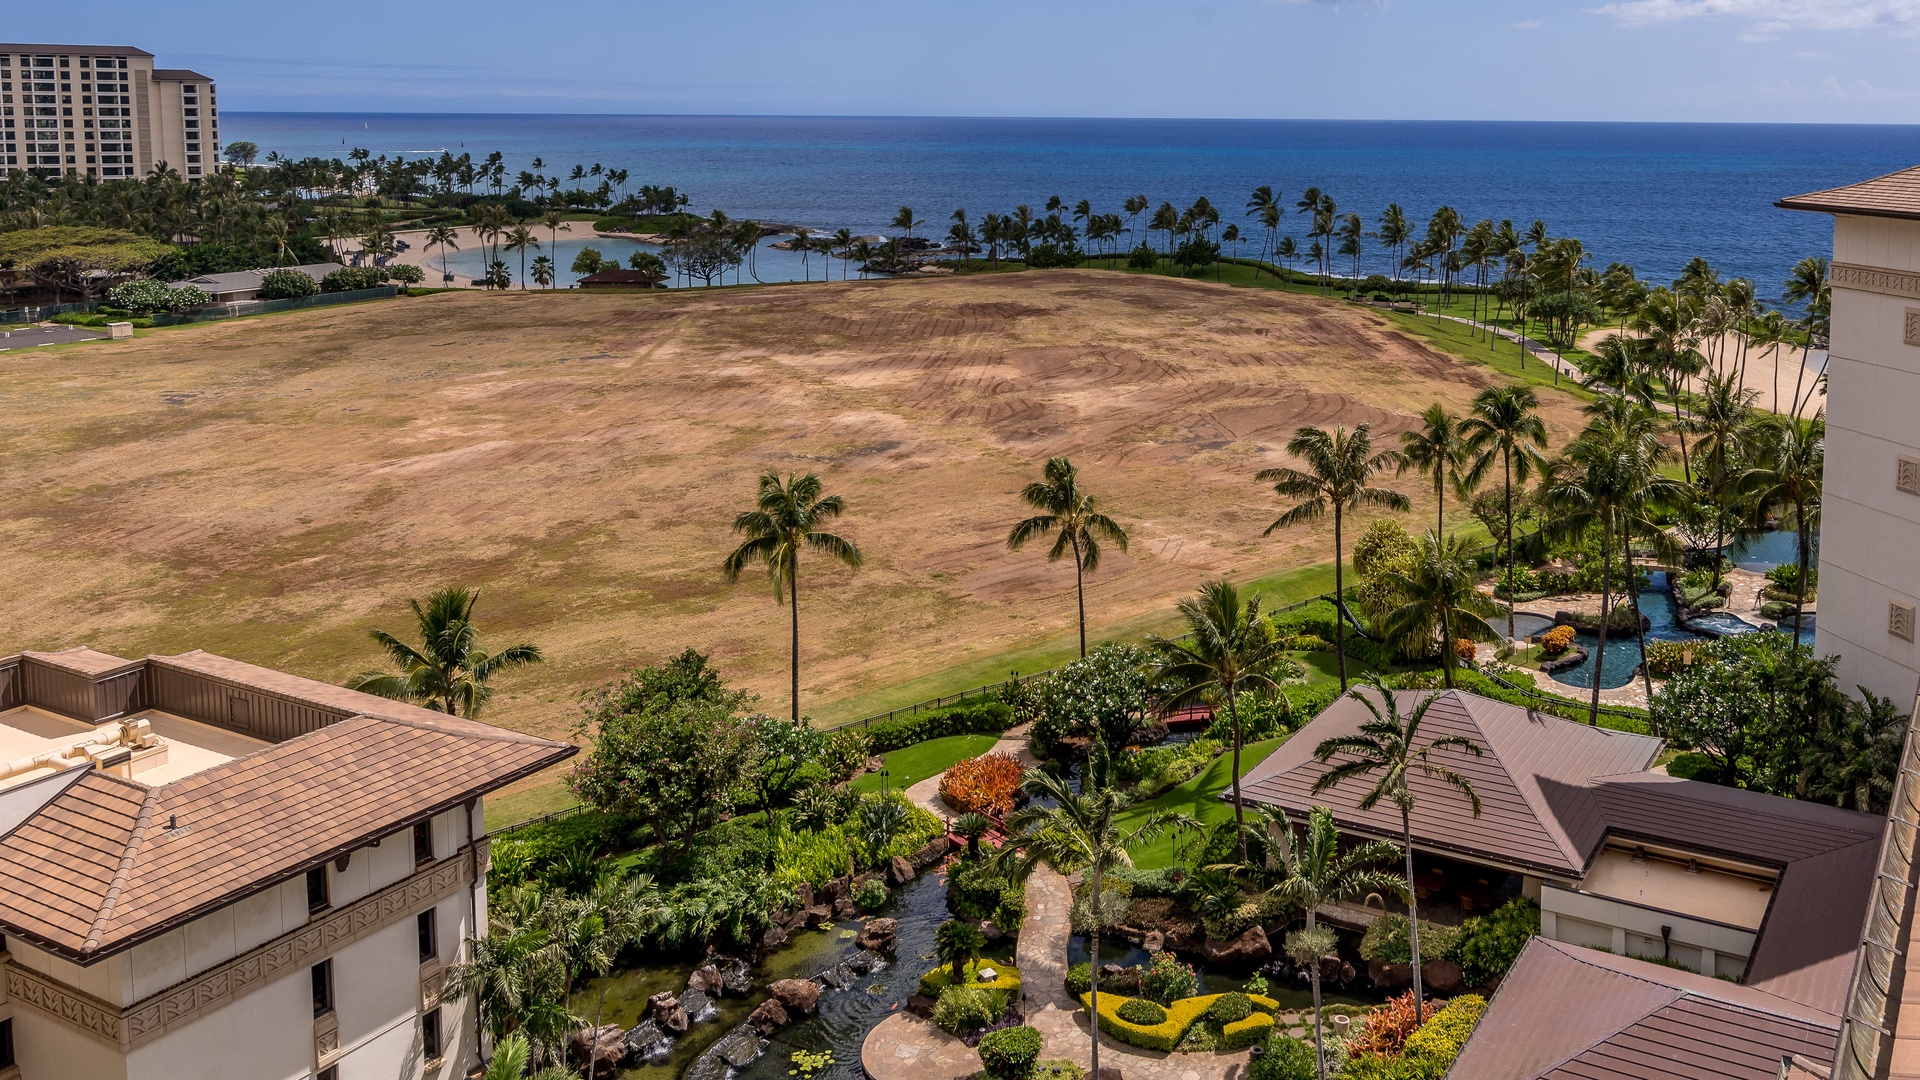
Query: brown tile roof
column 96, row 870
column 1893, row 195
column 1826, row 855
column 179, row 75
column 73, row 50
column 82, row 661
column 1532, row 777
column 1565, row 1012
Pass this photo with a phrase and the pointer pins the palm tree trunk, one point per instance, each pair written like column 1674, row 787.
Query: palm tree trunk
column 1633, row 594
column 1239, row 807
column 1413, row 918
column 1439, row 500
column 1506, row 468
column 793, row 602
column 1339, row 603
column 1319, row 1035
column 1606, row 598
column 1093, row 956
column 1800, row 600
column 1080, row 593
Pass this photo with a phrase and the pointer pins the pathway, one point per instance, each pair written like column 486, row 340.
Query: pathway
column 905, row 1047
column 926, row 793
column 1540, row 352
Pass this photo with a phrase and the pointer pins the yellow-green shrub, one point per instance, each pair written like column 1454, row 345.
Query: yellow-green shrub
column 1438, row 1041
column 1249, row 1032
column 1005, row 986
column 1181, row 1015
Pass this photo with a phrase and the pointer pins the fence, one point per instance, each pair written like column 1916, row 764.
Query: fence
column 45, row 311
column 238, row 308
column 1866, row 1043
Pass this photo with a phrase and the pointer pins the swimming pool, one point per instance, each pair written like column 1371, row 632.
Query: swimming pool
column 1623, row 647
column 1525, row 624
column 1722, row 623
column 1767, row 550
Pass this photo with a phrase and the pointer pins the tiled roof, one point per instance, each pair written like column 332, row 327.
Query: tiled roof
column 1564, row 1012
column 179, row 75
column 1826, row 856
column 74, row 50
column 1893, row 195
column 1532, row 777
column 97, row 869
column 82, row 661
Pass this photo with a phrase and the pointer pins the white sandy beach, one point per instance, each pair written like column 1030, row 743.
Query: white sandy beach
column 1765, row 369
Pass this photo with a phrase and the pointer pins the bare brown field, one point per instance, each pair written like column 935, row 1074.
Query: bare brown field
column 271, row 489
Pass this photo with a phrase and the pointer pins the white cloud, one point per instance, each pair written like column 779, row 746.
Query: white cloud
column 1829, row 89
column 1769, row 18
column 1528, row 24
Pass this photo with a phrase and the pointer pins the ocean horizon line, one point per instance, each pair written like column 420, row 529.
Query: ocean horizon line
column 1669, row 124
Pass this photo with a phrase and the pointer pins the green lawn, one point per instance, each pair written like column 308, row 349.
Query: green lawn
column 1198, row 797
column 504, row 810
column 909, row 765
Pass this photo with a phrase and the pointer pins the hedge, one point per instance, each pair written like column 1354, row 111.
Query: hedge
column 1439, row 1039
column 1009, row 1054
column 1252, row 1031
column 1286, row 1058
column 1181, row 1015
column 1005, row 986
column 962, row 719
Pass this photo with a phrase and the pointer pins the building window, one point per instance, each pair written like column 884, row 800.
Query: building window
column 6, row 1043
column 430, row 1035
column 323, row 988
column 331, row 1072
column 429, row 935
column 422, row 843
column 317, row 897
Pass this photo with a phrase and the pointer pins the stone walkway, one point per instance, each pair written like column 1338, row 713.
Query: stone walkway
column 905, row 1047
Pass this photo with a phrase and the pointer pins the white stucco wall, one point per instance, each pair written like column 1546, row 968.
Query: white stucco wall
column 1870, row 535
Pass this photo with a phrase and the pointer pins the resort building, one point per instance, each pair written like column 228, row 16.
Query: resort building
column 239, row 285
column 105, row 111
column 215, row 871
column 1870, row 519
column 1748, row 906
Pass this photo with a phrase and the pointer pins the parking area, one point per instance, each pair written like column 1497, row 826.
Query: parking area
column 35, row 336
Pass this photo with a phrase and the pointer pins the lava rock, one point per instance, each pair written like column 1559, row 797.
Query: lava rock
column 803, row 895
column 1250, row 946
column 864, row 961
column 837, row 977
column 698, row 1006
column 921, row 1006
column 988, row 930
column 1441, row 977
column 899, row 870
column 796, row 995
column 773, row 938
column 843, row 907
column 878, row 935
column 705, row 978
column 1108, row 1072
column 741, row 1047
column 770, row 1017
column 736, row 978
column 666, row 1010
column 1154, row 941
column 600, row 1048
column 817, row 915
column 646, row 1043
column 1386, row 976
column 930, row 852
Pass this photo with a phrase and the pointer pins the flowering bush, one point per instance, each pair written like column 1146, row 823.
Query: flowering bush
column 987, row 784
column 1463, row 650
column 1557, row 640
column 1388, row 1027
column 1167, row 979
column 145, row 296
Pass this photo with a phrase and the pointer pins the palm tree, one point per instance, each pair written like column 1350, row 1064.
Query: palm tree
column 626, row 909
column 543, row 271
column 1340, row 467
column 1228, row 650
column 1393, row 745
column 1438, row 598
column 957, row 942
column 787, row 517
column 1078, row 833
column 510, row 1058
column 1506, row 423
column 443, row 237
column 1808, row 285
column 905, row 220
column 1790, row 458
column 1076, row 522
column 1317, row 871
column 554, row 223
column 1722, row 423
column 449, row 671
column 1436, row 449
column 520, row 238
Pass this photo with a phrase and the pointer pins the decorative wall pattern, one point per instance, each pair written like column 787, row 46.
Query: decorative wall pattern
column 153, row 1015
column 1876, row 280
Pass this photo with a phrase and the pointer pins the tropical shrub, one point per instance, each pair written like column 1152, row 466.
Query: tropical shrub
column 988, row 784
column 405, row 273
column 812, row 857
column 1693, row 765
column 1141, row 1011
column 1005, row 987
column 1668, row 658
column 886, row 824
column 985, row 715
column 1433, row 1047
column 1107, row 693
column 1387, row 1027
column 1490, row 943
column 1308, row 700
column 1164, row 1035
column 1009, row 1054
column 1463, row 650
column 1158, row 768
column 980, row 891
column 1556, row 641
column 870, row 895
column 526, row 854
column 1144, row 257
column 353, row 278
column 1252, row 1030
column 1777, row 609
column 1287, row 1058
column 1080, row 979
column 1167, row 979
column 283, row 283
column 1309, row 643
column 146, row 296
column 1388, row 940
column 1784, row 578
column 964, row 1009
column 845, row 753
column 1228, row 1008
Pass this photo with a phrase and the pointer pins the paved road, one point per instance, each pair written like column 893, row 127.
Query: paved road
column 34, row 336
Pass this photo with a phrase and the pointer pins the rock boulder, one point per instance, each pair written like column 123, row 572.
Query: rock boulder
column 646, row 1043
column 1252, row 945
column 796, row 995
column 1441, row 977
column 1387, row 976
column 899, row 870
column 878, row 935
column 665, row 1009
column 770, row 1017
column 600, row 1049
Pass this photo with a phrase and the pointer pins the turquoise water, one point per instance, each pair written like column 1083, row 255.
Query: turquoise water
column 1623, row 648
column 1769, row 549
column 1651, row 195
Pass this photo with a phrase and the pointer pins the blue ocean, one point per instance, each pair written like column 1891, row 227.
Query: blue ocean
column 1649, row 195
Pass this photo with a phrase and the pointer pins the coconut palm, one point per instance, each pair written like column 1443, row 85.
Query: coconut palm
column 786, row 518
column 449, row 671
column 1505, row 423
column 905, row 220
column 1076, row 522
column 1669, row 325
column 1338, row 477
column 1436, row 597
column 1228, row 650
column 1722, row 422
column 1808, row 286
column 1786, row 479
column 1436, row 448
column 510, row 1059
column 444, row 237
column 554, row 222
column 1393, row 747
column 626, row 908
column 1316, row 870
column 956, row 942
column 543, row 272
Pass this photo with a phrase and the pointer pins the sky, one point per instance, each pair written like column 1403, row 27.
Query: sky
column 1820, row 61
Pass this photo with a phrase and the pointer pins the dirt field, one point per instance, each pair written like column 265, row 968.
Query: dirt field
column 270, row 489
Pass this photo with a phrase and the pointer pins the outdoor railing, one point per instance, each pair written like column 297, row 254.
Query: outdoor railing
column 1866, row 1041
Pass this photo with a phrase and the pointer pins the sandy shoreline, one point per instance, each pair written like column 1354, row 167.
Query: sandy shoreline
column 1765, row 369
column 468, row 239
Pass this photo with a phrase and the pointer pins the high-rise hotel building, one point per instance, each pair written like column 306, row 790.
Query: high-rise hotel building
column 105, row 111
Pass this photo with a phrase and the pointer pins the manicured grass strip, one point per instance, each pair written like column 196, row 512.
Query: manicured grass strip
column 909, row 765
column 504, row 810
column 1198, row 797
